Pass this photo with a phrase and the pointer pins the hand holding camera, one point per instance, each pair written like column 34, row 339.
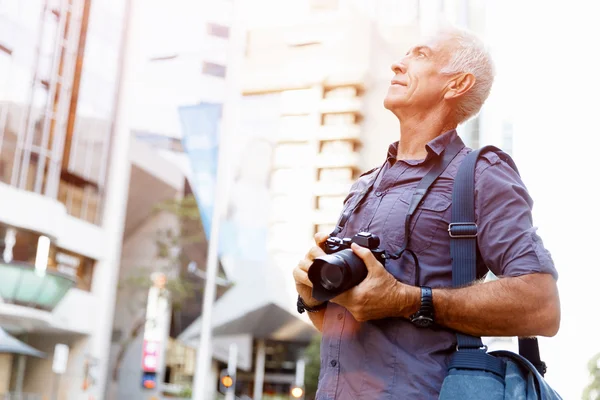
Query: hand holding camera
column 303, row 284
column 352, row 274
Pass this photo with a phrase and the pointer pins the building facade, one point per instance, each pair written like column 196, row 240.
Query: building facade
column 64, row 176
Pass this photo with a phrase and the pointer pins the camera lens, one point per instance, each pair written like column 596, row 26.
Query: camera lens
column 332, row 276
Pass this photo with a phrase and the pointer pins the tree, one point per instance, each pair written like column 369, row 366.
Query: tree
column 592, row 391
column 168, row 259
column 312, row 355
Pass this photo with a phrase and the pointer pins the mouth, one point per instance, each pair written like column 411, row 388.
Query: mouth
column 398, row 83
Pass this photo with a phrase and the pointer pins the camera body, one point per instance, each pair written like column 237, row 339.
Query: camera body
column 341, row 269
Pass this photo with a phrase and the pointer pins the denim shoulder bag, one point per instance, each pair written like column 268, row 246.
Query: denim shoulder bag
column 473, row 372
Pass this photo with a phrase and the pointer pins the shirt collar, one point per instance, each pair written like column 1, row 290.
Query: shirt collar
column 434, row 147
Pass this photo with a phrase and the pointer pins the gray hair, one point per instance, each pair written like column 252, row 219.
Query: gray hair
column 470, row 56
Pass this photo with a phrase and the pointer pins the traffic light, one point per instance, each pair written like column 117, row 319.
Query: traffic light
column 226, row 381
column 297, row 392
column 148, row 380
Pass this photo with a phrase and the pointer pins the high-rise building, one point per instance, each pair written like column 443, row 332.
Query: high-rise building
column 64, row 174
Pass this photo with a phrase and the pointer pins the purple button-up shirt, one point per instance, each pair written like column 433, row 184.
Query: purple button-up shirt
column 391, row 358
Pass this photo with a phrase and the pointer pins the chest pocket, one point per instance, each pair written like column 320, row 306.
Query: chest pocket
column 429, row 218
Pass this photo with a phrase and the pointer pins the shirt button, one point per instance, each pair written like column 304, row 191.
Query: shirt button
column 340, row 316
column 378, row 194
column 333, row 363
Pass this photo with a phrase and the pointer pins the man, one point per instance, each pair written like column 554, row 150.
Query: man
column 370, row 347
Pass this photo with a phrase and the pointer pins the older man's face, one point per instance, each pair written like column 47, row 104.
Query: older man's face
column 418, row 83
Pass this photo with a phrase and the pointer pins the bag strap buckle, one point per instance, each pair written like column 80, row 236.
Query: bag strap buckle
column 462, row 230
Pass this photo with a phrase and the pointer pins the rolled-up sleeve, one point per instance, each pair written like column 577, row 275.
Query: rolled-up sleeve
column 507, row 239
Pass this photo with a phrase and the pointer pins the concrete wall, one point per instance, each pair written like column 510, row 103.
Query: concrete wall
column 38, row 372
column 5, row 372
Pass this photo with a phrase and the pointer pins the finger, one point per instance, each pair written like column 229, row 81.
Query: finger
column 304, row 264
column 314, row 252
column 320, row 238
column 301, row 276
column 366, row 255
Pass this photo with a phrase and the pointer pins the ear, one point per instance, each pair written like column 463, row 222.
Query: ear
column 459, row 85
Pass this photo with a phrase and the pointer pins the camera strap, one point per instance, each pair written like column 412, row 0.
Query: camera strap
column 442, row 162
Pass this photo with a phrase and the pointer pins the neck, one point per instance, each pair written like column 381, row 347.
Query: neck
column 418, row 130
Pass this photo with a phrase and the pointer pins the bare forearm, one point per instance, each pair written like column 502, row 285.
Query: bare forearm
column 317, row 319
column 507, row 307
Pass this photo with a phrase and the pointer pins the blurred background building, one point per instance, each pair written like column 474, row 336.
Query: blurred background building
column 62, row 199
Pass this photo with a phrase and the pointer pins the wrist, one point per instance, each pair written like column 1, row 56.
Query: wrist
column 412, row 300
column 310, row 302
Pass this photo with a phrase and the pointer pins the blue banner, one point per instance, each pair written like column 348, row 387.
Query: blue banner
column 200, row 125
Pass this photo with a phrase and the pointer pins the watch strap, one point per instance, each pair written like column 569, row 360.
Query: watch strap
column 424, row 317
column 302, row 306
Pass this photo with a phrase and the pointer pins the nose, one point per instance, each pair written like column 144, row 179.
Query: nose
column 399, row 67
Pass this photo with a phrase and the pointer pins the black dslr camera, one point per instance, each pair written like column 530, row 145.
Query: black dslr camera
column 341, row 269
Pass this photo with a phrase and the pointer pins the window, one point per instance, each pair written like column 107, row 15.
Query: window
column 337, row 147
column 73, row 265
column 335, row 174
column 344, row 92
column 213, row 69
column 330, row 202
column 339, row 119
column 217, row 30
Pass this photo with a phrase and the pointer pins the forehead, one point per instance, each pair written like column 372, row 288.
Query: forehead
column 441, row 44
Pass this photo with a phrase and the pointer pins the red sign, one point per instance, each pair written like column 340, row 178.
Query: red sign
column 150, row 356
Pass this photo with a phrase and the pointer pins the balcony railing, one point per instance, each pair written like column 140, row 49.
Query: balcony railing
column 22, row 285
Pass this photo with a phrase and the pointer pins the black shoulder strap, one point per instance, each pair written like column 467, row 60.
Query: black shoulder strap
column 442, row 162
column 463, row 245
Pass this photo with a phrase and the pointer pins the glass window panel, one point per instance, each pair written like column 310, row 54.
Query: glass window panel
column 292, row 151
column 11, row 276
column 29, row 287
column 7, row 158
column 337, row 147
column 101, row 57
column 335, row 174
column 330, row 202
column 339, row 119
column 297, row 98
column 341, row 92
column 5, row 72
column 52, row 291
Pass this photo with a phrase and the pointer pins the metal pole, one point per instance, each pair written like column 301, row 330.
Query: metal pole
column 55, row 385
column 300, row 366
column 204, row 350
column 20, row 375
column 231, row 369
column 259, row 367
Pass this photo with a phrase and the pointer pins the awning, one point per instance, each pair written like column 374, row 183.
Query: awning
column 12, row 345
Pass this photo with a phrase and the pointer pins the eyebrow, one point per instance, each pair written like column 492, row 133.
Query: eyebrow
column 428, row 49
column 422, row 47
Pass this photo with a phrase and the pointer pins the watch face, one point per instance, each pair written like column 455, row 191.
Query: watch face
column 422, row 321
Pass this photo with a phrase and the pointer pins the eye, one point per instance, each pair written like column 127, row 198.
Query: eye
column 421, row 54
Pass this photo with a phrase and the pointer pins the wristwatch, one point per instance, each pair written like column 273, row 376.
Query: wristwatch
column 424, row 318
column 301, row 305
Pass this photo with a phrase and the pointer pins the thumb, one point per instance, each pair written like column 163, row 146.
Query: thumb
column 367, row 257
column 320, row 237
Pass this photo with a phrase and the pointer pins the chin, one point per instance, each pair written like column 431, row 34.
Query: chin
column 393, row 102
